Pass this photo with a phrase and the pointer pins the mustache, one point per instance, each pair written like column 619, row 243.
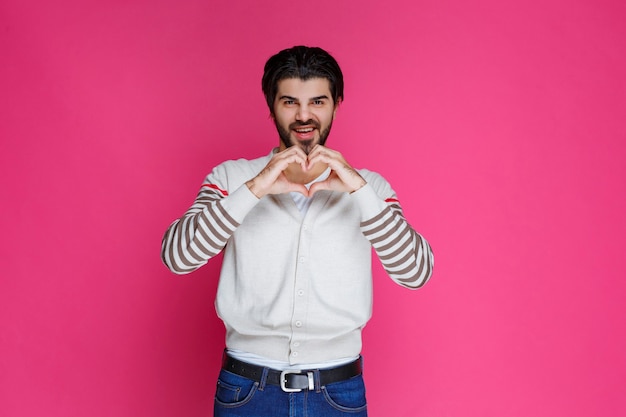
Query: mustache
column 309, row 122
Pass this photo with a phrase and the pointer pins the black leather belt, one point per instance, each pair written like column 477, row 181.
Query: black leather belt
column 293, row 381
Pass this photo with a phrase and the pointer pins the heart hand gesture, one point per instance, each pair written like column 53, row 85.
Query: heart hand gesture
column 272, row 179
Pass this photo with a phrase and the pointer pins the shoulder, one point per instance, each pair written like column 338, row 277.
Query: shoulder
column 373, row 178
column 367, row 174
column 232, row 173
column 243, row 166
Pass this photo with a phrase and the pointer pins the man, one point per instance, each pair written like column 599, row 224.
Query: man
column 297, row 227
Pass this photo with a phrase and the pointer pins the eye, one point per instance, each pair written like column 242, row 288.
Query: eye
column 289, row 102
column 318, row 102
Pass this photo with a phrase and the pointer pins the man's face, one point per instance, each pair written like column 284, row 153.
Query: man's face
column 303, row 112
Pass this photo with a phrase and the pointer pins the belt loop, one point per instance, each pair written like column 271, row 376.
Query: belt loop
column 317, row 379
column 263, row 378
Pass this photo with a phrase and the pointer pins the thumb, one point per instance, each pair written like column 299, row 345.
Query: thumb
column 299, row 188
column 318, row 186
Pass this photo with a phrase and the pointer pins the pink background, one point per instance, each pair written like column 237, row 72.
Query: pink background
column 500, row 124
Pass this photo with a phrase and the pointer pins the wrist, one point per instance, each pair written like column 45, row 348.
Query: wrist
column 359, row 187
column 254, row 189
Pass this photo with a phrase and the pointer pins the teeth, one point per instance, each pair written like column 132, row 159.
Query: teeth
column 307, row 130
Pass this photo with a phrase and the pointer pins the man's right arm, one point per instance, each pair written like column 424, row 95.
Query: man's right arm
column 204, row 229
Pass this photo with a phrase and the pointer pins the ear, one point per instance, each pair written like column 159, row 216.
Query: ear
column 336, row 108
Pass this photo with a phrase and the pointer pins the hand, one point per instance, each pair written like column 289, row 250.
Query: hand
column 342, row 176
column 272, row 179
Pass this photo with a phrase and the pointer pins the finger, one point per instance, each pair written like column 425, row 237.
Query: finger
column 283, row 161
column 299, row 188
column 318, row 154
column 302, row 161
column 331, row 184
column 318, row 186
column 317, row 149
column 297, row 155
column 333, row 159
column 294, row 150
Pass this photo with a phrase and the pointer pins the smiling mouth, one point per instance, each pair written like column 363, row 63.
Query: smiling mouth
column 304, row 132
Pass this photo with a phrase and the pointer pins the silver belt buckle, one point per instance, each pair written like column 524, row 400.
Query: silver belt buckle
column 283, row 381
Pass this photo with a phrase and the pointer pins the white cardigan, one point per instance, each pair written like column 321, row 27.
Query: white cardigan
column 293, row 288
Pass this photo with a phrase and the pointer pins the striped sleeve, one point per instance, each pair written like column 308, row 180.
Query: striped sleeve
column 203, row 231
column 404, row 253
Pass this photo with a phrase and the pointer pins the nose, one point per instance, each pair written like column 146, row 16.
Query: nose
column 303, row 113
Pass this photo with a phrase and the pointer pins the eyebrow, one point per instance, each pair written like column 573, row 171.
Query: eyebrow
column 311, row 99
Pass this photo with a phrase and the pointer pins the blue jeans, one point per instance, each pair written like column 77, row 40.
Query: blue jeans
column 242, row 397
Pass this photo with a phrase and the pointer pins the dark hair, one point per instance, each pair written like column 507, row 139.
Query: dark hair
column 301, row 62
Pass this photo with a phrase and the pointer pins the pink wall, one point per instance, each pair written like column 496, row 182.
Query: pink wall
column 501, row 127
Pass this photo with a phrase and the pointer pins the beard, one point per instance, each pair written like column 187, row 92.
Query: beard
column 305, row 145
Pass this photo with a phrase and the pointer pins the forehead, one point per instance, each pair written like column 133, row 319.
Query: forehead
column 303, row 89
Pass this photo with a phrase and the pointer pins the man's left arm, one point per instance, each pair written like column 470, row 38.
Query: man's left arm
column 404, row 253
